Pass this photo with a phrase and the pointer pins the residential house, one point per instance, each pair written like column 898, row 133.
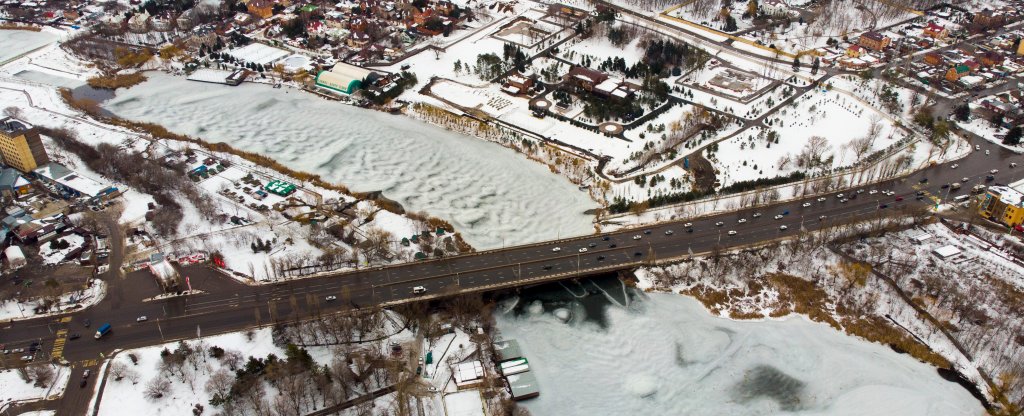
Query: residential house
column 260, row 8
column 12, row 184
column 776, row 8
column 874, row 41
column 956, row 72
column 584, row 78
column 935, row 31
column 991, row 58
column 987, row 19
column 1004, row 205
column 934, row 59
column 854, row 51
column 187, row 20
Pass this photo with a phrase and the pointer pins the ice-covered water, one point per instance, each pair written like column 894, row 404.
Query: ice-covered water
column 669, row 356
column 17, row 42
column 486, row 191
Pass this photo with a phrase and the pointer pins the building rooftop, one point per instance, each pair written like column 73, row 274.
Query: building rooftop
column 13, row 126
column 523, row 385
column 508, row 350
column 1008, row 195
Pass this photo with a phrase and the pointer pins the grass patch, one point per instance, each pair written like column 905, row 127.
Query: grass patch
column 113, row 82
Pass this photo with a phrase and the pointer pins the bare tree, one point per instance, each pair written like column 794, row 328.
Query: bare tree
column 13, row 112
column 156, row 387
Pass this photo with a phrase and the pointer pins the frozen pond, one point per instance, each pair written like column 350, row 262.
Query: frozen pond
column 486, row 191
column 666, row 355
column 17, row 42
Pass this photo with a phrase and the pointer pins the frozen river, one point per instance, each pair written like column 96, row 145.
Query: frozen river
column 492, row 195
column 13, row 43
column 666, row 355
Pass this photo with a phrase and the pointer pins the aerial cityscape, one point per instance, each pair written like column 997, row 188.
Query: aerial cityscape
column 511, row 207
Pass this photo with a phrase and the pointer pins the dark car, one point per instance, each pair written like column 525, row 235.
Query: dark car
column 990, row 178
column 605, row 238
column 599, row 258
column 923, row 180
column 612, row 245
column 87, row 323
column 647, row 231
column 638, row 254
column 899, row 198
column 74, row 336
column 883, row 206
column 547, row 267
column 83, row 383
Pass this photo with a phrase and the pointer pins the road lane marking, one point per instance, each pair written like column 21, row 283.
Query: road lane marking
column 58, row 345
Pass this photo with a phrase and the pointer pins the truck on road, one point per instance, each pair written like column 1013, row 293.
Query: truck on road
column 102, row 331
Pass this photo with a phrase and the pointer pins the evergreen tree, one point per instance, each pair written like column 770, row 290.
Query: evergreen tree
column 1013, row 136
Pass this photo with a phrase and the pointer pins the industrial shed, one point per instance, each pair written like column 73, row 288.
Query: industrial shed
column 344, row 78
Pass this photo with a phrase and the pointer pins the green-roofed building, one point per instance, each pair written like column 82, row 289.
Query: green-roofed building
column 280, row 187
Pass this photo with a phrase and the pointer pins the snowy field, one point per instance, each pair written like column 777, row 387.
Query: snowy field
column 489, row 193
column 668, row 355
column 14, row 389
column 17, row 42
column 12, row 310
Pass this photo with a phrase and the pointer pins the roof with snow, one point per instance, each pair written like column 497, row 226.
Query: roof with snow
column 523, row 385
column 343, row 78
column 947, row 251
column 14, row 255
column 507, row 350
column 72, row 180
column 259, row 53
column 468, row 372
column 164, row 271
column 1008, row 195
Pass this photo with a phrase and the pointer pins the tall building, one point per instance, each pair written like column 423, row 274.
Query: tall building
column 21, row 146
column 1003, row 204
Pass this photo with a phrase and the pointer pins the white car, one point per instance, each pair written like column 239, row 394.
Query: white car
column 637, row 237
column 668, row 232
column 954, row 166
column 556, row 249
column 742, row 220
column 719, row 224
column 860, row 191
column 688, row 225
column 872, row 192
column 778, row 217
column 840, row 196
column 783, row 228
column 583, row 250
column 806, row 204
column 756, row 215
column 142, row 318
column 844, row 200
column 994, row 171
column 330, row 298
column 419, row 290
column 731, row 232
column 822, row 218
column 987, row 152
column 965, row 179
column 822, row 199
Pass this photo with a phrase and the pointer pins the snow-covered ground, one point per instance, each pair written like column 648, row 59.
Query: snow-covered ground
column 11, row 310
column 14, row 389
column 668, row 355
column 17, row 42
column 488, row 193
column 52, row 254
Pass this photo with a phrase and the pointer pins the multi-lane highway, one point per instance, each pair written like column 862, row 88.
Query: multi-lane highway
column 227, row 305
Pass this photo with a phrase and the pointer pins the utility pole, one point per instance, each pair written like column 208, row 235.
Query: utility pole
column 158, row 328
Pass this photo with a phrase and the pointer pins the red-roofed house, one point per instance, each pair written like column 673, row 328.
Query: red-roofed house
column 935, row 31
column 854, row 51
